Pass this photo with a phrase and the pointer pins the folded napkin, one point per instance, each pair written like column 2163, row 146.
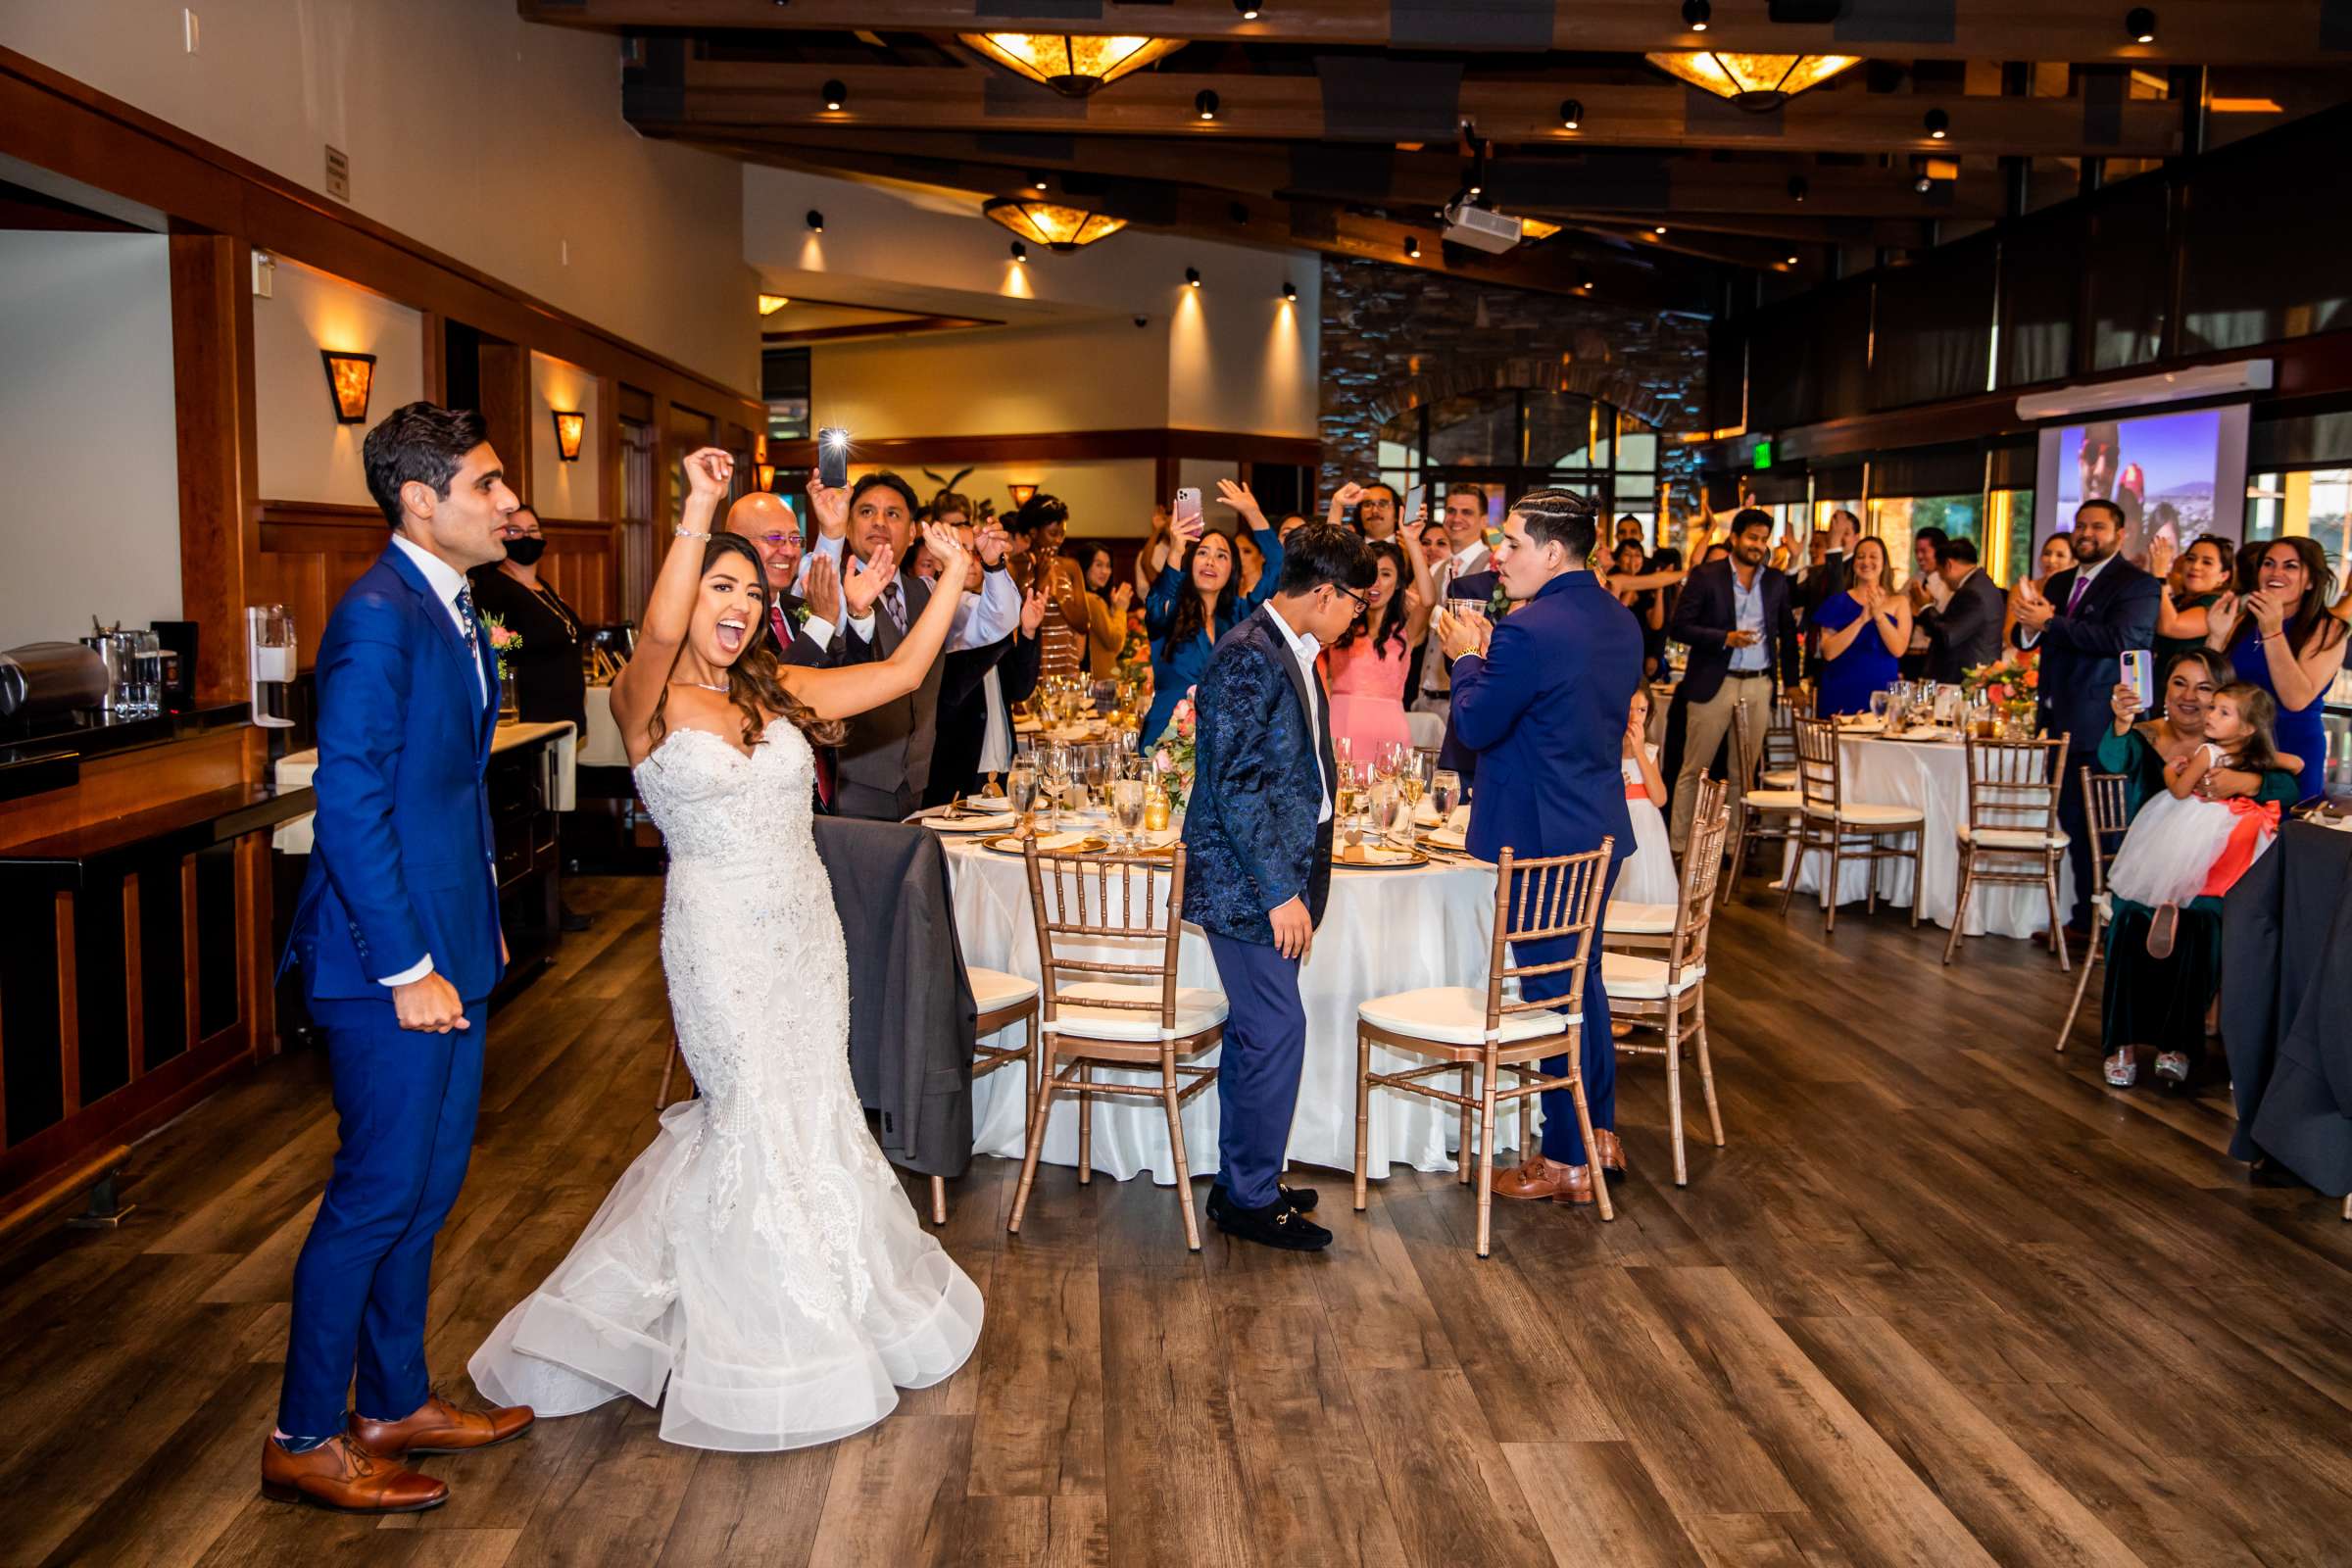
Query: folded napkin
column 973, row 821
column 1062, row 841
column 1372, row 854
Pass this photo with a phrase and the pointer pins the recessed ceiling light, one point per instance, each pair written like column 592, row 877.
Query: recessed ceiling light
column 1660, row 230
column 1695, row 15
column 1791, row 262
column 1247, row 8
column 2140, row 24
column 1037, row 182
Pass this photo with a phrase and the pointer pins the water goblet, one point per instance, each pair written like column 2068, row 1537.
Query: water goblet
column 1445, row 791
column 1020, row 789
column 1127, row 808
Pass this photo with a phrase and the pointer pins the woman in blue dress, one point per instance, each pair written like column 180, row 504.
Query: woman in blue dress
column 1864, row 631
column 1196, row 599
column 2282, row 638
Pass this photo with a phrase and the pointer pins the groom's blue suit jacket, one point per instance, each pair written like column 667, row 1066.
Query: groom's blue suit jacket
column 1251, row 836
column 403, row 862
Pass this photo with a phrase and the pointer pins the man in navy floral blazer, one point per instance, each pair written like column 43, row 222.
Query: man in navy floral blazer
column 1257, row 833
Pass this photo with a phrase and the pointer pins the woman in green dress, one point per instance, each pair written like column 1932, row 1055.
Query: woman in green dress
column 2162, row 1003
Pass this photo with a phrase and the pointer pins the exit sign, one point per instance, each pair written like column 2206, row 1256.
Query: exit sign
column 1763, row 455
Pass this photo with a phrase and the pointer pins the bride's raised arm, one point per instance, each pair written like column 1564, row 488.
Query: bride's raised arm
column 670, row 609
column 845, row 690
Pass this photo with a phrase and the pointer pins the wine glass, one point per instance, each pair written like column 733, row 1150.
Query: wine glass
column 1097, row 770
column 1880, row 703
column 1053, row 779
column 1445, row 790
column 1020, row 788
column 1388, row 760
column 1127, row 807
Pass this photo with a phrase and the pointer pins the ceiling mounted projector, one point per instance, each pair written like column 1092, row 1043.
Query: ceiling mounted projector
column 1479, row 228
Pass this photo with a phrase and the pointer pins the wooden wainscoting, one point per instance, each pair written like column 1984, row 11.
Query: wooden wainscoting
column 311, row 550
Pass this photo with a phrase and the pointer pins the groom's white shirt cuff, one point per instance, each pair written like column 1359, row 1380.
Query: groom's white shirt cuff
column 412, row 974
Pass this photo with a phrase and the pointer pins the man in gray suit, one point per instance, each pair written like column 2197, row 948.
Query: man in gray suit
column 1965, row 631
column 886, row 758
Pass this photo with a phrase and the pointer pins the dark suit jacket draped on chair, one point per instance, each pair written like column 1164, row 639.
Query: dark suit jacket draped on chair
column 911, row 1014
column 1251, row 837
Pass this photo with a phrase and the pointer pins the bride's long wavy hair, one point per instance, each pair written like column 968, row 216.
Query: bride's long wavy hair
column 753, row 685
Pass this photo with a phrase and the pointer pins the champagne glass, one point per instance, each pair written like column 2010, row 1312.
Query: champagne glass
column 1127, row 807
column 1388, row 760
column 1020, row 788
column 1053, row 778
column 1413, row 778
column 1342, row 751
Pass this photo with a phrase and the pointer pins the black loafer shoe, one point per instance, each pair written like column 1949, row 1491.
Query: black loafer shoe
column 1302, row 1198
column 1277, row 1225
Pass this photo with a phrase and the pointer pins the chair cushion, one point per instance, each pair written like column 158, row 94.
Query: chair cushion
column 1630, row 977
column 1457, row 1015
column 1774, row 800
column 994, row 988
column 1197, row 1008
column 2011, row 838
column 1779, row 778
column 1638, row 920
column 1863, row 813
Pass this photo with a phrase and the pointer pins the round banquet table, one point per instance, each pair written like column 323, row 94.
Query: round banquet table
column 1932, row 775
column 1382, row 932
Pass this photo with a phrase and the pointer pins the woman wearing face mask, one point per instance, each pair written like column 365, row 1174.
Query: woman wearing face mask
column 549, row 682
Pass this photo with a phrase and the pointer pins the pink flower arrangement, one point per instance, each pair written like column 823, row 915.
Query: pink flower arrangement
column 1173, row 755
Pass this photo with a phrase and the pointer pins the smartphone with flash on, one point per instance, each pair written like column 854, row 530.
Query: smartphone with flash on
column 1187, row 507
column 833, row 457
column 2140, row 673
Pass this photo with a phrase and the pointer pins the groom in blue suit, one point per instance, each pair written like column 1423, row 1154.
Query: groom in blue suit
column 1257, row 834
column 397, row 936
column 1541, row 699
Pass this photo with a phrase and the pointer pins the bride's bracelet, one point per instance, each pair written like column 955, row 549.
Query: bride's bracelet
column 684, row 532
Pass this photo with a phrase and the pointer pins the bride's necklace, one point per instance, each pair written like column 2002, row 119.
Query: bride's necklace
column 704, row 684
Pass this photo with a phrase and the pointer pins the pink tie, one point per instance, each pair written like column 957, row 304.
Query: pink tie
column 2076, row 598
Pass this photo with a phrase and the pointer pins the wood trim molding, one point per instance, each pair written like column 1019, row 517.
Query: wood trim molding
column 214, row 437
column 1069, row 446
column 52, row 121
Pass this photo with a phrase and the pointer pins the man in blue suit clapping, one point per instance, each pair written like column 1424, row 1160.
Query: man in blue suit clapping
column 1257, row 836
column 1541, row 700
column 397, row 937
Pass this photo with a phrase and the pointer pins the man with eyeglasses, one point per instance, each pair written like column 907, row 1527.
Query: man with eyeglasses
column 806, row 628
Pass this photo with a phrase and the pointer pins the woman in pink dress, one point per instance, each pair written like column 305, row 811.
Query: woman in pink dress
column 1365, row 669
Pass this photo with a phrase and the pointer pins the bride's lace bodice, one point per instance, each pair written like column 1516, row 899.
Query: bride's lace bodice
column 712, row 802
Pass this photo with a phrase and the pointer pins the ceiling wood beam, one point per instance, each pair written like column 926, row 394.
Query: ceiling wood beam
column 714, row 95
column 2087, row 32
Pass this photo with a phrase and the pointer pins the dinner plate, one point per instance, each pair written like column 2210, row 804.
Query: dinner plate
column 1051, row 844
column 1389, row 859
column 1447, row 838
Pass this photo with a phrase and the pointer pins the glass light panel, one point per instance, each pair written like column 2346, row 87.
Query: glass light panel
column 1752, row 80
column 1073, row 64
column 1054, row 225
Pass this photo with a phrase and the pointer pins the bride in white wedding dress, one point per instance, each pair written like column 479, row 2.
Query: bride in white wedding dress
column 758, row 1272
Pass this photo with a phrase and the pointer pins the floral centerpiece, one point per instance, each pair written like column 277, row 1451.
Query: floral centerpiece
column 504, row 640
column 1174, row 754
column 2010, row 684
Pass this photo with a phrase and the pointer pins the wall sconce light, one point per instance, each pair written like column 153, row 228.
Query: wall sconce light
column 569, row 427
column 1290, row 291
column 1020, row 251
column 816, row 221
column 767, row 475
column 1021, row 494
column 1192, row 276
column 349, row 378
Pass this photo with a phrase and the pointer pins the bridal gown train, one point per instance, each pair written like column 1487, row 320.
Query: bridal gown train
column 760, row 1261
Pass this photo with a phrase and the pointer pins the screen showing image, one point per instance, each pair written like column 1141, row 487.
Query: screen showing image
column 2177, row 476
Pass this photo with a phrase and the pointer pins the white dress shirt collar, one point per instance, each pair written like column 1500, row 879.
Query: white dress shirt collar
column 444, row 579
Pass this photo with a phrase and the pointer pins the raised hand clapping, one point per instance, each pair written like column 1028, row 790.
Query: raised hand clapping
column 951, row 554
column 867, row 580
column 821, row 589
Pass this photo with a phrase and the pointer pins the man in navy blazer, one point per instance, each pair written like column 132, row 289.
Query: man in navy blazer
column 1257, row 835
column 2083, row 620
column 1736, row 617
column 1543, row 699
column 397, row 936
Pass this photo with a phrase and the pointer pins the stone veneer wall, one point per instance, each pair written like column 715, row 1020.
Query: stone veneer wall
column 1393, row 337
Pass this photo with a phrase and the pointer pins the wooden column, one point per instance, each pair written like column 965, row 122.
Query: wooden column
column 212, row 381
column 505, row 403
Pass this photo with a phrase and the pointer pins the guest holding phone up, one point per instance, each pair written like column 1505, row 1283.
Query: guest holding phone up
column 1197, row 598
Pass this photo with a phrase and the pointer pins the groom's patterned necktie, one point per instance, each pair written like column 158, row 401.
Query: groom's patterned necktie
column 473, row 648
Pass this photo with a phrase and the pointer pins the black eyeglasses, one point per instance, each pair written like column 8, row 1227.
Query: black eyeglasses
column 1363, row 601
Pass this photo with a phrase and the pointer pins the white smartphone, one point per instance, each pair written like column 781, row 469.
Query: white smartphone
column 2140, row 673
column 1187, row 506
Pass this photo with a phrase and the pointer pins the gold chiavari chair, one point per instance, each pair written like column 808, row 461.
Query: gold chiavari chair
column 2107, row 813
column 1762, row 813
column 1120, row 1012
column 1669, row 993
column 1001, row 1001
column 1481, row 1037
column 1846, row 829
column 2010, row 834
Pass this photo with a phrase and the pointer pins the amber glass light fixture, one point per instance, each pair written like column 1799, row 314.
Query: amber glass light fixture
column 767, row 475
column 349, row 377
column 1073, row 64
column 1760, row 82
column 770, row 303
column 1021, row 494
column 1057, row 225
column 569, row 427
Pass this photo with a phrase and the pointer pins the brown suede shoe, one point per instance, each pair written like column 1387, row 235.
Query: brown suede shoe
column 340, row 1476
column 1542, row 1178
column 440, row 1427
column 1611, row 1153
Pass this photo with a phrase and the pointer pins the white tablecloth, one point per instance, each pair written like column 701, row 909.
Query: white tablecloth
column 1383, row 932
column 1932, row 775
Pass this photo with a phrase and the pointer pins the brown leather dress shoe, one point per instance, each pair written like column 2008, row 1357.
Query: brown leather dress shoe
column 340, row 1474
column 1611, row 1153
column 1543, row 1178
column 440, row 1427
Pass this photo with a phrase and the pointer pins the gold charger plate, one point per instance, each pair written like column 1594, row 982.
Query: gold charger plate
column 1011, row 844
column 1391, row 860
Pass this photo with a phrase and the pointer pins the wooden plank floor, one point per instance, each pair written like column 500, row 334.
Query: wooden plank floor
column 1945, row 1300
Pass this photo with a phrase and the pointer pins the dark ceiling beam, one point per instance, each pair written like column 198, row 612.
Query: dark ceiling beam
column 2091, row 31
column 1841, row 117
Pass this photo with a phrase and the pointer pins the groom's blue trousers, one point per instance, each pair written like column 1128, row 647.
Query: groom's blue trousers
column 1563, row 1143
column 407, row 1102
column 1258, row 1070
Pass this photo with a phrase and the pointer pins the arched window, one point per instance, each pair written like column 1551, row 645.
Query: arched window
column 1512, row 441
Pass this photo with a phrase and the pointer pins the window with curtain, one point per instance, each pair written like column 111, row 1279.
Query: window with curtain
column 1932, row 336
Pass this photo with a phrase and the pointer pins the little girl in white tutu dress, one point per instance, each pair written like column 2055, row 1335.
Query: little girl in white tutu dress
column 2183, row 846
column 1648, row 877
